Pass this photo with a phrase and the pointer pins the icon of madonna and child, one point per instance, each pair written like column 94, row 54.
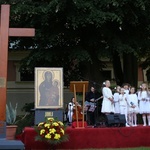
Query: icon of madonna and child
column 49, row 90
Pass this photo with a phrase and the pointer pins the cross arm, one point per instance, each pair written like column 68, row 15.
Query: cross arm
column 22, row 32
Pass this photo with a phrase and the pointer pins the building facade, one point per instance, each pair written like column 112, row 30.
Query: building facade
column 22, row 92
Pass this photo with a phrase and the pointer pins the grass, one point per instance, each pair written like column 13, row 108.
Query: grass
column 135, row 148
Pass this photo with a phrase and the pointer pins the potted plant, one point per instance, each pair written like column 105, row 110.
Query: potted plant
column 11, row 114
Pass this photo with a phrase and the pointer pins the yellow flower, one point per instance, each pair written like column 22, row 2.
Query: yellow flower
column 48, row 136
column 60, row 123
column 47, row 125
column 62, row 131
column 57, row 136
column 50, row 119
column 55, row 124
column 52, row 130
column 42, row 131
column 40, row 124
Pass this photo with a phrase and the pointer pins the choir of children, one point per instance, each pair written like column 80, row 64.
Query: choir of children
column 130, row 103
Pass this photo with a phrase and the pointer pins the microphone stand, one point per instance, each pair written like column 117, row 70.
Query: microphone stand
column 95, row 113
column 95, row 107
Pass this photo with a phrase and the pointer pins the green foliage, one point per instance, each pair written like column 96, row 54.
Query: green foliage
column 24, row 121
column 28, row 106
column 11, row 113
column 27, row 119
column 70, row 30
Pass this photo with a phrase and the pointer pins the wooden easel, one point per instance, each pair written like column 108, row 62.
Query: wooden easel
column 79, row 86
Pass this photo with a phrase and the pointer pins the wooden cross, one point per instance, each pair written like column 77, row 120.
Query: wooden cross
column 5, row 32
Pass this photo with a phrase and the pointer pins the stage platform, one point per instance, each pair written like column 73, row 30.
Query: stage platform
column 112, row 137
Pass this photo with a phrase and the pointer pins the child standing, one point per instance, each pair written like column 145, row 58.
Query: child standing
column 144, row 103
column 126, row 87
column 132, row 107
column 116, row 100
column 123, row 104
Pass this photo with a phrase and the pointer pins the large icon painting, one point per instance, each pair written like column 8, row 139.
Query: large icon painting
column 48, row 87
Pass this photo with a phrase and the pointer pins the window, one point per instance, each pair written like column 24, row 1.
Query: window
column 26, row 76
column 23, row 76
column 106, row 74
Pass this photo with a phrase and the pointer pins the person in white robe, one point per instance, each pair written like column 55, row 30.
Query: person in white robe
column 108, row 100
column 144, row 103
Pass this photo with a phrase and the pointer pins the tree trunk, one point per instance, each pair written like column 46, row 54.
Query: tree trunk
column 117, row 68
column 93, row 72
column 130, row 67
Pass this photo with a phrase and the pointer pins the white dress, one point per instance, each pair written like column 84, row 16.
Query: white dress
column 123, row 105
column 70, row 111
column 107, row 105
column 144, row 102
column 116, row 103
column 132, row 100
column 126, row 92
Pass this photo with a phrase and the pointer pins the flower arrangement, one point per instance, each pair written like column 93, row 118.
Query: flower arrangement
column 51, row 131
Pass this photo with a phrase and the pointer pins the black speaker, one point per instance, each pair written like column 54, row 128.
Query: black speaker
column 115, row 120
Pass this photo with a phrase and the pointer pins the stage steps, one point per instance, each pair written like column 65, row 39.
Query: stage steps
column 11, row 145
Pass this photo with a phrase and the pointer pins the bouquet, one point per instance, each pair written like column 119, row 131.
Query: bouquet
column 51, row 131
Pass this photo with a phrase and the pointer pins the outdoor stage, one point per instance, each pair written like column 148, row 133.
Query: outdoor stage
column 113, row 137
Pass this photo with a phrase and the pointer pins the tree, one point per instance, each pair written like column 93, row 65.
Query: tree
column 77, row 34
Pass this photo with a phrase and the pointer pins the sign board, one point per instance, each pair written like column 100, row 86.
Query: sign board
column 40, row 114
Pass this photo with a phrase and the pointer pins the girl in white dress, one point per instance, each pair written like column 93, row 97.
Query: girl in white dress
column 126, row 87
column 132, row 107
column 116, row 100
column 144, row 103
column 107, row 104
column 123, row 103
